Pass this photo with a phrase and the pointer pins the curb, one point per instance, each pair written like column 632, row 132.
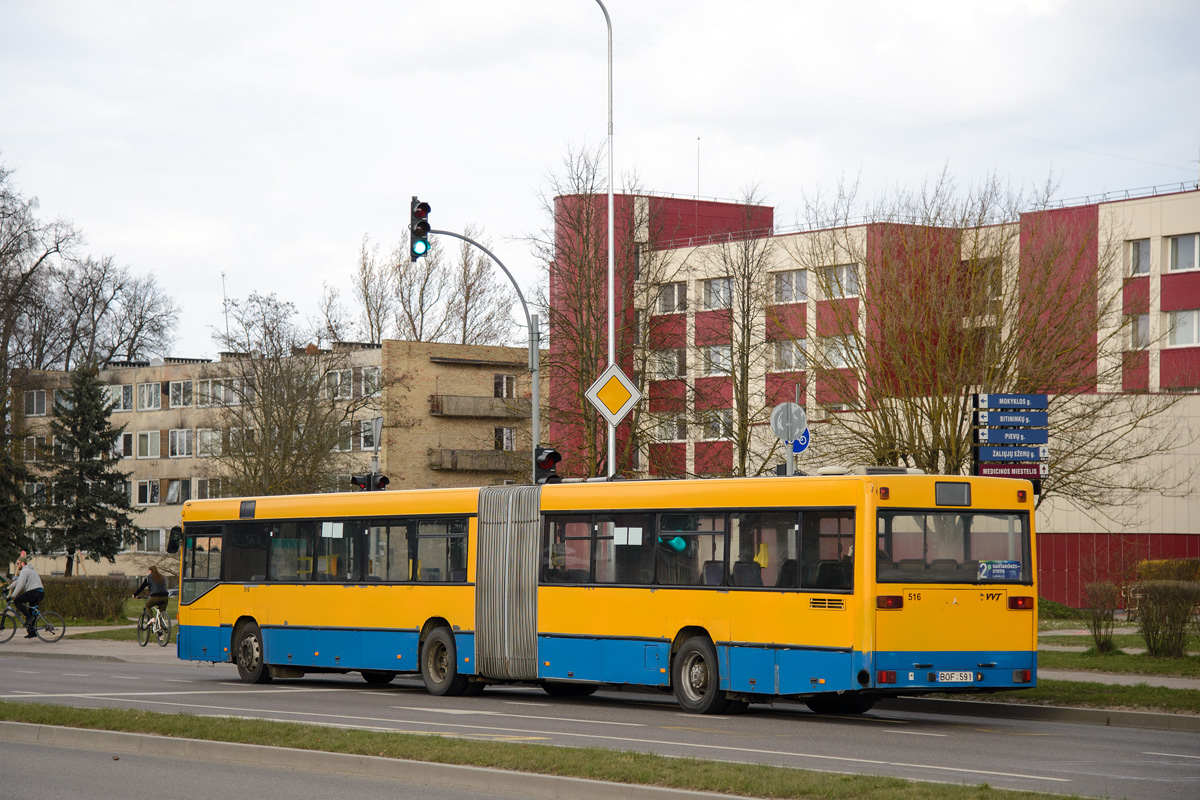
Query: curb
column 480, row 779
column 1085, row 716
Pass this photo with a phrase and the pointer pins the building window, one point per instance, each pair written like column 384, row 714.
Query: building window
column 242, row 439
column 345, row 440
column 791, row 286
column 35, row 493
column 34, row 447
column 842, row 280
column 123, row 446
column 181, row 394
column 717, row 424
column 638, row 320
column 208, row 488
column 35, row 403
column 1139, row 257
column 504, row 386
column 340, row 383
column 208, row 442
column 672, row 429
column 179, row 491
column 120, row 397
column 62, row 400
column 506, row 439
column 209, row 393
column 672, row 298
column 366, row 434
column 717, row 293
column 149, row 541
column 1183, row 251
column 147, row 493
column 1139, row 330
column 790, row 356
column 148, row 444
column 149, row 396
column 1184, row 328
column 716, row 359
column 667, row 364
column 179, row 443
column 839, row 351
column 370, row 381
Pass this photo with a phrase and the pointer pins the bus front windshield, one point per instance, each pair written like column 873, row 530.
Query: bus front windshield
column 952, row 547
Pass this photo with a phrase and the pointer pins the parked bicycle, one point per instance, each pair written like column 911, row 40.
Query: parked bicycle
column 48, row 625
column 156, row 624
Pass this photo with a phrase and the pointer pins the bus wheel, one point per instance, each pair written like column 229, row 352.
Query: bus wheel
column 248, row 651
column 555, row 689
column 840, row 703
column 697, row 678
column 439, row 664
column 377, row 676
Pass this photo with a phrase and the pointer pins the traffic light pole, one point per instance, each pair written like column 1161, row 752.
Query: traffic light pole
column 534, row 350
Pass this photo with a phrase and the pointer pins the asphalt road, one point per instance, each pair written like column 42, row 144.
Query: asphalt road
column 1041, row 755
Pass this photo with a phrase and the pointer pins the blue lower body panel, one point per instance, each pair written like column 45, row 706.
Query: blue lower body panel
column 989, row 669
column 632, row 661
column 203, row 643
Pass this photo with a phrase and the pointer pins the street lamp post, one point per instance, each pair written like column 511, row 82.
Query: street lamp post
column 612, row 340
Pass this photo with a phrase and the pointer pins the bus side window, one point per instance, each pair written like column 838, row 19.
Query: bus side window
column 624, row 549
column 760, row 544
column 567, row 554
column 826, row 542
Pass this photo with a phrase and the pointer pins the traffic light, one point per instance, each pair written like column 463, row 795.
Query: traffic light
column 363, row 482
column 379, row 482
column 545, row 465
column 418, row 229
column 370, row 482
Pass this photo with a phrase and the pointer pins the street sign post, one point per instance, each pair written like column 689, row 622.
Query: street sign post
column 1030, row 472
column 613, row 395
column 1011, row 434
column 1012, row 453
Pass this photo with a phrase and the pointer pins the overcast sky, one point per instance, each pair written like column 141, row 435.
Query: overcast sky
column 263, row 140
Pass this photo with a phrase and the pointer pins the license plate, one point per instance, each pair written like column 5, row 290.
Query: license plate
column 956, row 677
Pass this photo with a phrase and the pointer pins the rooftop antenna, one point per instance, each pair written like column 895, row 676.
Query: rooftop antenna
column 696, row 207
column 225, row 302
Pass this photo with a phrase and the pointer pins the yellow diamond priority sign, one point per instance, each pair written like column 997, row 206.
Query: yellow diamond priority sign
column 613, row 395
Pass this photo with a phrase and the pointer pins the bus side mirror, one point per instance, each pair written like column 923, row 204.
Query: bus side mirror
column 174, row 539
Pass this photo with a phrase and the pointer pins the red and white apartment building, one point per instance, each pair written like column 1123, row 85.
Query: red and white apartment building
column 1155, row 233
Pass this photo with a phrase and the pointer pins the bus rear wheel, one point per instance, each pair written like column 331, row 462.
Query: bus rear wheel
column 439, row 664
column 696, row 678
column 840, row 703
column 249, row 654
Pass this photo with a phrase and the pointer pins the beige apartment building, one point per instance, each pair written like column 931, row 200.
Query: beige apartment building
column 451, row 416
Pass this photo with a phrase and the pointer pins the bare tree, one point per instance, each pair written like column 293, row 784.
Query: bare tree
column 374, row 290
column 142, row 322
column 422, row 289
column 934, row 294
column 332, row 324
column 481, row 300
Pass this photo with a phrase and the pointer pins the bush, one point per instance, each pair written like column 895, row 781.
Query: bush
column 1102, row 599
column 1170, row 569
column 1164, row 614
column 88, row 598
column 1048, row 609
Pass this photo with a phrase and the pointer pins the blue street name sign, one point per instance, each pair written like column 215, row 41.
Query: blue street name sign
column 1012, row 435
column 989, row 453
column 1012, row 401
column 1024, row 419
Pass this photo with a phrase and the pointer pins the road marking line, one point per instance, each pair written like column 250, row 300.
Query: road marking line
column 75, row 675
column 468, row 712
column 918, row 733
column 524, row 703
column 1171, row 755
column 122, row 695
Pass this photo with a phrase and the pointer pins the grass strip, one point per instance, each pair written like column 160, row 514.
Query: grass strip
column 1080, row 694
column 747, row 780
column 1121, row 663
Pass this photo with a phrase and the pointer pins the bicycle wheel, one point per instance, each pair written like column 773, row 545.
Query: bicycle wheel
column 162, row 630
column 50, row 626
column 144, row 629
column 8, row 626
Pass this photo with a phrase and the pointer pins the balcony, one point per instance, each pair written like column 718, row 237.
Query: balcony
column 449, row 405
column 477, row 460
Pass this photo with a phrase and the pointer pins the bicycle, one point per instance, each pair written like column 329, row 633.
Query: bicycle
column 157, row 625
column 48, row 625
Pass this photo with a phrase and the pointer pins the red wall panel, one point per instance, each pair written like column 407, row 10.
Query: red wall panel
column 714, row 393
column 787, row 321
column 1136, row 295
column 713, row 327
column 1180, row 290
column 714, row 458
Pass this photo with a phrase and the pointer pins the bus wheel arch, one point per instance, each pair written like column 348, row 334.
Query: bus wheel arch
column 248, row 651
column 696, row 673
column 439, row 663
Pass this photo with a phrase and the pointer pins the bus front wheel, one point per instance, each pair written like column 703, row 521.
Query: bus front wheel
column 249, row 654
column 439, row 664
column 697, row 678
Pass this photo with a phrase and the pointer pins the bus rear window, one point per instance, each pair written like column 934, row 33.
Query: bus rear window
column 952, row 547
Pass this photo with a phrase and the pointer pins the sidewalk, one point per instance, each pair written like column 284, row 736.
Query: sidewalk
column 98, row 649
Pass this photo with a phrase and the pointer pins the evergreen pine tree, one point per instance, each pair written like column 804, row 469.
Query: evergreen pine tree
column 87, row 505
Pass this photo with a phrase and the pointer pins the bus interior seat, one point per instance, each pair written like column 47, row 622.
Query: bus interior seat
column 971, row 567
column 431, row 574
column 373, row 579
column 458, row 575
column 577, row 576
column 714, row 571
column 257, row 578
column 746, row 573
column 911, row 564
column 943, row 564
column 789, row 572
column 830, row 575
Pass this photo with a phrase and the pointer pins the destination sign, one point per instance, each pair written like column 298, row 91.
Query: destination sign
column 1012, row 401
column 1026, row 419
column 1012, row 435
column 989, row 453
column 1027, row 471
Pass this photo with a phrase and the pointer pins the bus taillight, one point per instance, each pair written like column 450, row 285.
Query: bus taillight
column 889, row 601
column 1017, row 603
column 885, row 676
column 1022, row 676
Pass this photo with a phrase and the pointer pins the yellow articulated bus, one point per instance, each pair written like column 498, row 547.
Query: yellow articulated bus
column 836, row 590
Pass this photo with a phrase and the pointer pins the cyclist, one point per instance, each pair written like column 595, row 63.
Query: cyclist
column 26, row 591
column 157, row 585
